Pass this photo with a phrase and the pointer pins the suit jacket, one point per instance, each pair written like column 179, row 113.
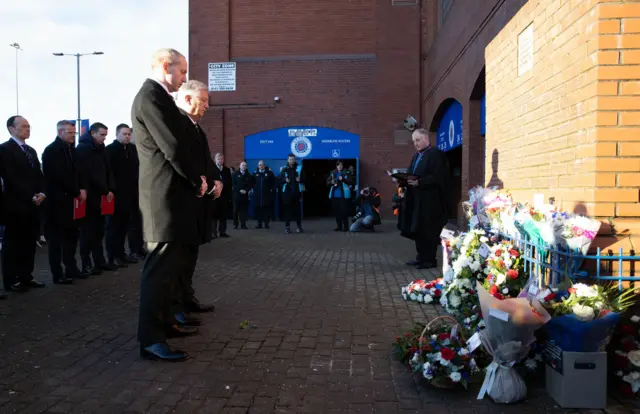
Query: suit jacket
column 21, row 181
column 201, row 157
column 223, row 204
column 124, row 165
column 169, row 180
column 94, row 166
column 62, row 182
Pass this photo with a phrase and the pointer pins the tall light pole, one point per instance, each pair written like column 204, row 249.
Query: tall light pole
column 78, row 55
column 17, row 48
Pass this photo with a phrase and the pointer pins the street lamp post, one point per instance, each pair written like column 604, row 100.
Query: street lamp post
column 77, row 56
column 17, row 48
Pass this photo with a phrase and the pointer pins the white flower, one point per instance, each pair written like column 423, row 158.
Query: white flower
column 455, row 376
column 634, row 380
column 598, row 305
column 481, row 324
column 455, row 300
column 426, row 371
column 634, row 357
column 505, row 291
column 404, row 296
column 441, row 360
column 583, row 313
column 584, row 291
column 428, row 299
column 463, row 351
column 434, row 337
column 467, row 320
column 531, row 364
column 620, row 373
column 419, row 298
column 404, row 290
column 484, row 239
column 635, row 319
column 413, row 296
column 415, row 357
column 500, row 278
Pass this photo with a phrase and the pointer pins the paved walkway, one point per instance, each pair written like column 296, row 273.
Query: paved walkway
column 325, row 308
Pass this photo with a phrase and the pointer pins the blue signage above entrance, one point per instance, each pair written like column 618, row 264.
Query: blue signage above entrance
column 450, row 128
column 305, row 142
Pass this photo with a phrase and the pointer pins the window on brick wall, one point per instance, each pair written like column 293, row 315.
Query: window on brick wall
column 445, row 7
column 404, row 2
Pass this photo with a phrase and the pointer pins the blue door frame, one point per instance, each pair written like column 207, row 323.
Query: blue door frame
column 306, row 143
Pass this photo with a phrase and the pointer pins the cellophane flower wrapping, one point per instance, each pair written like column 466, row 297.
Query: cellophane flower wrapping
column 495, row 203
column 506, row 276
column 509, row 333
column 624, row 361
column 579, row 233
column 585, row 316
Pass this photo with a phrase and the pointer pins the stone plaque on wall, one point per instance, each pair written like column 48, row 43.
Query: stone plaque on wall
column 401, row 137
column 525, row 50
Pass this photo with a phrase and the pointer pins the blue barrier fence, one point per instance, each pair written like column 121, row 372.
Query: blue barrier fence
column 553, row 263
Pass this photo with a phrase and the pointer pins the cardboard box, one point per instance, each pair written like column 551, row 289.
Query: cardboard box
column 576, row 379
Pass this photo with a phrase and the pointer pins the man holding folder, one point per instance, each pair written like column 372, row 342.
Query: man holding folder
column 66, row 191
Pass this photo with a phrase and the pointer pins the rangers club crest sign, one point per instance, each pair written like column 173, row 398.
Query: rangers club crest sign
column 301, row 147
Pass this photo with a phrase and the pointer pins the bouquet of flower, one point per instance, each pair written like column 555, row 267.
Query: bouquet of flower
column 496, row 202
column 585, row 316
column 444, row 359
column 423, row 291
column 506, row 276
column 509, row 333
column 626, row 356
column 459, row 297
column 579, row 232
column 406, row 345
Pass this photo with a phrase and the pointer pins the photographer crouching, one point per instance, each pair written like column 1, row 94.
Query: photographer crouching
column 368, row 215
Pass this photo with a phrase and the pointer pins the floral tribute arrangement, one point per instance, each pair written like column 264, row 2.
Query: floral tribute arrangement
column 423, row 291
column 625, row 358
column 506, row 276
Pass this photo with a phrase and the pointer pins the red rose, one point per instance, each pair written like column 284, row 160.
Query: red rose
column 408, row 334
column 629, row 346
column 448, row 354
column 501, row 263
column 493, row 290
column 512, row 274
column 604, row 312
column 498, row 252
column 627, row 329
column 437, row 293
column 620, row 361
column 571, row 290
column 625, row 390
column 514, row 253
column 413, row 349
column 444, row 336
column 498, row 296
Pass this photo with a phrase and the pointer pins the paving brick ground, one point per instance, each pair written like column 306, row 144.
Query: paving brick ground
column 325, row 307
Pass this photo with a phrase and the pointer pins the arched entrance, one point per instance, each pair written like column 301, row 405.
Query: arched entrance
column 447, row 124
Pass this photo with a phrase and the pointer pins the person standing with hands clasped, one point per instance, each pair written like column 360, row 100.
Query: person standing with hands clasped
column 340, row 182
column 242, row 185
column 170, row 190
column 291, row 183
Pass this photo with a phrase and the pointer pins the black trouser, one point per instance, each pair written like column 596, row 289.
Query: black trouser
column 91, row 235
column 341, row 207
column 184, row 292
column 240, row 211
column 263, row 214
column 160, row 278
column 219, row 226
column 427, row 247
column 19, row 249
column 290, row 212
column 134, row 232
column 62, row 243
column 117, row 226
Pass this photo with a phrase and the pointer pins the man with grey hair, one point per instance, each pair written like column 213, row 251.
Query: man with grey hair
column 63, row 184
column 193, row 101
column 425, row 207
column 170, row 186
column 222, row 206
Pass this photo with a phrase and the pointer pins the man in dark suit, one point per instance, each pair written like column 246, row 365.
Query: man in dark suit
column 3, row 295
column 169, row 188
column 94, row 167
column 123, row 160
column 23, row 193
column 63, row 184
column 222, row 205
column 424, row 212
column 193, row 101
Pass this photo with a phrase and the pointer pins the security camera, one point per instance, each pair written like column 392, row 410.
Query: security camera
column 410, row 123
column 276, row 99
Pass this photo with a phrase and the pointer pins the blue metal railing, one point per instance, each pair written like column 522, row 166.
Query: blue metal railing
column 551, row 264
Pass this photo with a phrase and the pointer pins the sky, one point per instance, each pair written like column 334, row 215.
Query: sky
column 127, row 31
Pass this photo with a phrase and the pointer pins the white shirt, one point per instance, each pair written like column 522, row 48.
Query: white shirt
column 19, row 141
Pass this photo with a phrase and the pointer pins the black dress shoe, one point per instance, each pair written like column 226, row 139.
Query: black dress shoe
column 177, row 331
column 266, row 226
column 76, row 275
column 130, row 259
column 413, row 263
column 34, row 284
column 162, row 352
column 109, row 267
column 18, row 287
column 118, row 263
column 3, row 295
column 63, row 281
column 427, row 265
column 187, row 320
column 224, row 235
column 198, row 307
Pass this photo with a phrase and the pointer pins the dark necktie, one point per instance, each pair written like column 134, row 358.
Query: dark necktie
column 69, row 154
column 27, row 152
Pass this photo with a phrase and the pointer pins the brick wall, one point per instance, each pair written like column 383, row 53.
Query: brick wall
column 566, row 129
column 354, row 67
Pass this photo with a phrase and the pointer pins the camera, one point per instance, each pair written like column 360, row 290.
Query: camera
column 276, row 99
column 366, row 192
